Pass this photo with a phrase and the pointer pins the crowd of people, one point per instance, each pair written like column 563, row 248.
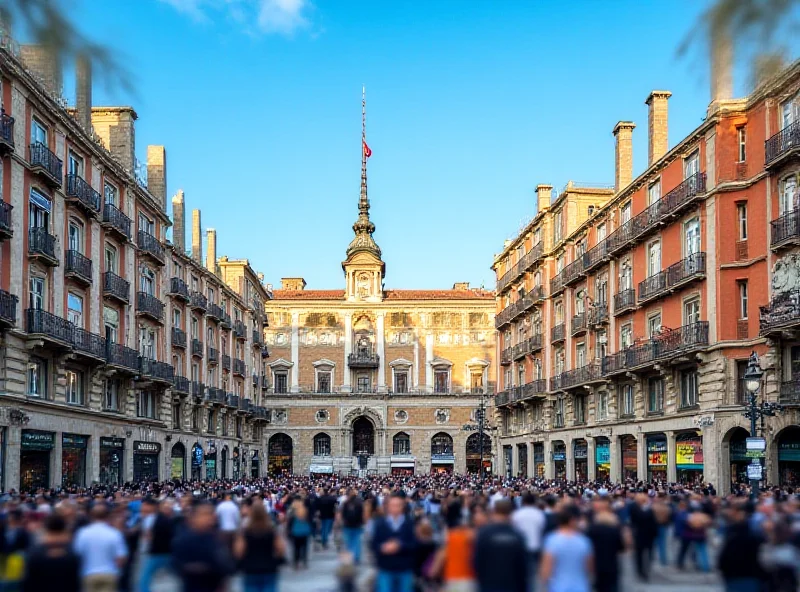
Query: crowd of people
column 410, row 533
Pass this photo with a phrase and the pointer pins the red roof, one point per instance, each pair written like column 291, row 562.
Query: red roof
column 471, row 294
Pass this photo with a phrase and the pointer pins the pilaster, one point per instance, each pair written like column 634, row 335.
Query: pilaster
column 348, row 349
column 672, row 471
column 295, row 346
column 379, row 317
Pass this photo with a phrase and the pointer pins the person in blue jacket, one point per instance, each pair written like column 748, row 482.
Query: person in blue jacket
column 394, row 545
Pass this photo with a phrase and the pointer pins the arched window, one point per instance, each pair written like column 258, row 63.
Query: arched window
column 401, row 444
column 322, row 445
column 441, row 444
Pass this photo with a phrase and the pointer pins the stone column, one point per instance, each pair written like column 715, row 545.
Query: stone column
column 641, row 456
column 548, row 460
column 672, row 470
column 348, row 349
column 615, row 458
column 428, row 362
column 93, row 460
column 55, row 461
column 531, row 467
column 591, row 459
column 295, row 352
column 381, row 353
column 570, row 462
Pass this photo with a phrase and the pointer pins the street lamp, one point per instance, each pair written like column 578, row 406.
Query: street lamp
column 481, row 424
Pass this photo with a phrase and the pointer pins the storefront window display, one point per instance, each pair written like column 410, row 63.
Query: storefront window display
column 559, row 460
column 197, row 462
column 112, row 453
column 145, row 461
column 789, row 457
column 73, row 460
column 602, row 459
column 34, row 459
column 538, row 461
column 177, row 469
column 657, row 457
column 580, row 451
column 629, row 460
column 689, row 458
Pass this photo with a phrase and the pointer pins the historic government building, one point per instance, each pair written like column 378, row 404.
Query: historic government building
column 369, row 379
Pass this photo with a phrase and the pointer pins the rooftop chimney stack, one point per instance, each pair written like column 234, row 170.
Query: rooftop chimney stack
column 179, row 222
column 721, row 66
column 83, row 92
column 114, row 125
column 211, row 255
column 293, row 284
column 197, row 239
column 544, row 193
column 623, row 155
column 42, row 62
column 157, row 174
column 657, row 136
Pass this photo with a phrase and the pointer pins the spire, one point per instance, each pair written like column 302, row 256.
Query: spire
column 363, row 227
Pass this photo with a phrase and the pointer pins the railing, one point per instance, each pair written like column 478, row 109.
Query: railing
column 40, row 242
column 557, row 382
column 78, row 264
column 582, row 375
column 686, row 269
column 782, row 311
column 258, row 338
column 782, row 142
column 150, row 245
column 520, row 350
column 225, row 320
column 506, row 355
column 83, row 192
column 41, row 156
column 215, row 311
column 785, row 228
column 181, row 384
column 578, row 324
column 149, row 305
column 239, row 330
column 121, row 355
column 178, row 337
column 226, row 362
column 213, row 355
column 363, row 360
column 598, row 314
column 197, row 348
column 156, row 370
column 614, row 363
column 6, row 128
column 595, row 255
column 198, row 389
column 537, row 293
column 89, row 343
column 239, row 367
column 41, row 322
column 177, row 287
column 669, row 343
column 114, row 285
column 6, row 226
column 197, row 300
column 674, row 341
column 573, row 271
column 535, row 342
column 114, row 217
column 557, row 284
column 533, row 388
column 690, row 188
column 624, row 300
column 790, row 392
column 620, row 238
column 653, row 286
column 8, row 307
column 232, row 400
column 558, row 332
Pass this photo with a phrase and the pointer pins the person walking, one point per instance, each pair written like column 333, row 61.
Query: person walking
column 609, row 541
column 531, row 522
column 567, row 561
column 351, row 515
column 325, row 507
column 15, row 542
column 645, row 531
column 394, row 547
column 52, row 564
column 299, row 529
column 453, row 562
column 500, row 559
column 102, row 551
column 228, row 518
column 259, row 551
column 159, row 544
column 738, row 560
column 198, row 559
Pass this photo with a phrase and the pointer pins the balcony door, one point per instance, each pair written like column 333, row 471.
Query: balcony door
column 691, row 232
column 36, row 293
column 789, row 113
column 38, row 133
column 653, row 258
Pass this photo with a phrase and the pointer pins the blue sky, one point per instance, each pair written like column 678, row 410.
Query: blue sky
column 470, row 106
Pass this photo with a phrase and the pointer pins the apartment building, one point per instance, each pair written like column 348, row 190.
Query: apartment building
column 101, row 379
column 626, row 323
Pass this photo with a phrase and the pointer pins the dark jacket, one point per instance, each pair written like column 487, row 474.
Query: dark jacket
column 404, row 559
column 353, row 513
column 52, row 567
column 162, row 534
column 644, row 524
column 326, row 506
column 200, row 561
column 500, row 559
column 738, row 557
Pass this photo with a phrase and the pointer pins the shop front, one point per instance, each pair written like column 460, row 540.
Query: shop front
column 211, row 462
column 508, row 461
column 279, row 455
column 237, row 463
column 177, row 462
column 522, row 455
column 689, row 458
column 580, row 452
column 403, row 464
column 197, row 462
column 145, row 461
column 559, row 460
column 255, row 465
column 602, row 458
column 34, row 459
column 320, row 469
column 442, row 463
column 656, row 457
column 627, row 445
column 538, row 461
column 73, row 460
column 112, row 455
column 223, row 463
column 478, row 454
column 737, row 450
column 789, row 457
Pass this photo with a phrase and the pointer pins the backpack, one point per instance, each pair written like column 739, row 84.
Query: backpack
column 300, row 528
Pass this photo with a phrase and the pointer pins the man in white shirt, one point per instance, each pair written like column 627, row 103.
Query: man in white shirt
column 228, row 518
column 102, row 551
column 531, row 522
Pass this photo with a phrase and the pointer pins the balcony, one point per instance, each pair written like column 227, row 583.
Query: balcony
column 686, row 271
column 213, row 355
column 156, row 371
column 781, row 315
column 534, row 343
column 683, row 340
column 181, row 385
column 226, row 362
column 538, row 294
column 116, row 222
column 506, row 356
column 520, row 350
column 363, row 361
column 225, row 320
column 557, row 284
column 502, row 398
column 558, row 332
column 790, row 393
column 78, row 267
column 582, row 376
column 215, row 312
column 620, row 239
column 614, row 363
column 239, row 367
column 178, row 289
column 150, row 247
column 6, row 133
column 89, row 345
column 149, row 306
column 197, row 348
column 239, row 330
column 81, row 194
column 785, row 231
column 557, row 382
column 42, row 246
column 598, row 315
column 122, row 357
column 232, row 401
column 595, row 256
column 46, row 164
column 624, row 301
column 198, row 389
column 578, row 324
column 783, row 146
column 653, row 287
column 684, row 194
column 178, row 337
column 6, row 223
column 572, row 272
column 53, row 329
column 8, row 309
column 116, row 287
column 534, row 388
column 264, row 382
column 258, row 338
column 197, row 301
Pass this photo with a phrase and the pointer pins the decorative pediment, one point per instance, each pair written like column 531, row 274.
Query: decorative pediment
column 473, row 362
column 281, row 363
column 441, row 362
column 324, row 362
column 401, row 363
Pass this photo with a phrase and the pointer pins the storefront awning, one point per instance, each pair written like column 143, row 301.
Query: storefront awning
column 403, row 464
column 325, row 469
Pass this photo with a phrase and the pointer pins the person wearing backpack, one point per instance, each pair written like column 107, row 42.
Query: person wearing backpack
column 299, row 529
column 351, row 514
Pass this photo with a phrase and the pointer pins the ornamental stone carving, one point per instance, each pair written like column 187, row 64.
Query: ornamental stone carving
column 401, row 416
column 786, row 274
column 280, row 417
column 442, row 416
column 322, row 416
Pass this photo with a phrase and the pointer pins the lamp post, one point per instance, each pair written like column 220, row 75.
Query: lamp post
column 755, row 410
column 481, row 424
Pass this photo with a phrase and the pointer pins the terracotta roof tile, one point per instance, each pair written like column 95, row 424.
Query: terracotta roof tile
column 471, row 294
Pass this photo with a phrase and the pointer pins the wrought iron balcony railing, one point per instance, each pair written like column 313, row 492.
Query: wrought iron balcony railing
column 41, row 322
column 197, row 348
column 581, row 376
column 150, row 245
column 598, row 314
column 578, row 324
column 781, row 144
column 215, row 311
column 258, row 338
column 624, row 300
column 83, row 194
column 115, row 220
column 178, row 337
column 181, row 385
column 226, row 362
column 239, row 330
column 78, row 266
column 116, row 287
column 558, row 332
column 213, row 355
column 557, row 382
column 520, row 350
column 89, row 343
column 595, row 255
column 557, row 284
column 120, row 355
column 239, row 367
column 42, row 244
column 178, row 288
column 506, row 355
column 790, row 392
column 149, row 305
column 44, row 160
column 782, row 312
column 786, row 229
column 155, row 370
column 6, row 223
column 198, row 389
column 6, row 130
column 534, row 388
column 198, row 301
column 653, row 286
column 535, row 342
column 573, row 271
column 363, row 360
column 8, row 308
column 687, row 269
column 669, row 343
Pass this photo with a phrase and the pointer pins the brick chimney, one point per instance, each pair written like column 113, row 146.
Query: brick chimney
column 295, row 284
column 197, row 239
column 461, row 286
column 211, row 254
column 83, row 92
column 42, row 63
column 544, row 193
column 114, row 125
column 157, row 173
column 179, row 222
column 657, row 137
column 623, row 155
column 721, row 66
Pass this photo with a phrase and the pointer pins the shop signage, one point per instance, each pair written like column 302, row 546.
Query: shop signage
column 756, row 443
column 689, row 452
column 603, row 454
column 755, row 472
column 74, row 441
column 657, row 459
column 756, row 454
column 111, row 442
column 146, row 447
column 32, row 440
column 789, row 450
column 321, row 469
column 581, row 451
column 443, row 457
column 559, row 456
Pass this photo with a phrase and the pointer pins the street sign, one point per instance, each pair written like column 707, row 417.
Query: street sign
column 754, row 472
column 755, row 454
column 755, row 444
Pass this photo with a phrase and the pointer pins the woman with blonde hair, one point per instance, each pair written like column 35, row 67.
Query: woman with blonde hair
column 259, row 551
